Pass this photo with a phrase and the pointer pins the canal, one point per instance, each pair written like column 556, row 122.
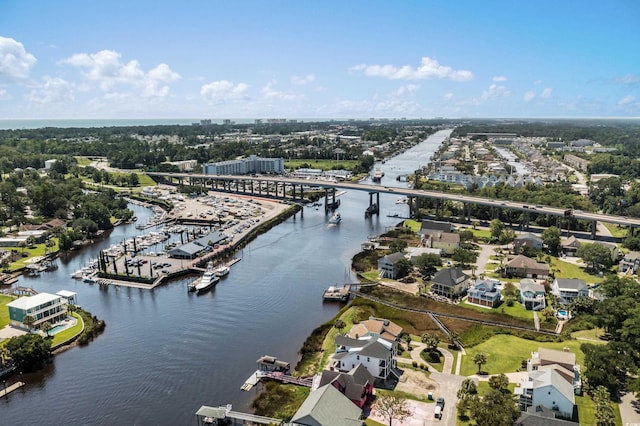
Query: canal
column 165, row 352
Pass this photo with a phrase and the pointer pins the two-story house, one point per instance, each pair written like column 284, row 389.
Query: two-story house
column 567, row 289
column 42, row 307
column 528, row 239
column 532, row 295
column 450, row 282
column 630, row 263
column 377, row 355
column 485, row 292
column 357, row 384
column 387, row 265
column 525, row 267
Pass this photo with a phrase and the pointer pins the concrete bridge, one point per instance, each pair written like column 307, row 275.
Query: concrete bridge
column 293, row 188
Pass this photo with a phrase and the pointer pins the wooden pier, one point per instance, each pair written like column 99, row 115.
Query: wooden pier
column 338, row 294
column 10, row 388
column 270, row 367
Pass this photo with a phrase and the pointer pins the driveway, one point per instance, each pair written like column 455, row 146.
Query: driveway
column 487, row 250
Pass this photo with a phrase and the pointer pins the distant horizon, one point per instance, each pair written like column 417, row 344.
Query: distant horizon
column 270, row 58
column 39, row 123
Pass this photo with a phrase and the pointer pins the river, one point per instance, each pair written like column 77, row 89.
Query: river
column 165, row 352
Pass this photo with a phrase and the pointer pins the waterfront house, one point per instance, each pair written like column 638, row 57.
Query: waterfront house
column 484, row 292
column 630, row 263
column 357, row 384
column 377, row 355
column 446, row 242
column 567, row 289
column 42, row 307
column 532, row 295
column 525, row 267
column 387, row 265
column 376, row 327
column 527, row 239
column 326, row 406
column 435, row 225
column 414, row 252
column 450, row 282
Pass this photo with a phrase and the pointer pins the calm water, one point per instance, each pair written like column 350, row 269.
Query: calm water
column 166, row 352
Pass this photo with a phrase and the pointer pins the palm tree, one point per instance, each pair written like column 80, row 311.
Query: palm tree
column 480, row 359
column 340, row 325
column 431, row 341
column 454, row 338
column 28, row 321
column 46, row 327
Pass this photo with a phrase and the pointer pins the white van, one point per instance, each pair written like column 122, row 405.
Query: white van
column 438, row 412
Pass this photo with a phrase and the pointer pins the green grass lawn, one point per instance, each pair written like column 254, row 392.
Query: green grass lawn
column 145, row 180
column 594, row 335
column 517, row 310
column 82, row 161
column 587, row 411
column 69, row 332
column 4, row 311
column 481, row 234
column 616, row 230
column 569, row 270
column 320, row 164
column 414, row 225
column 371, row 275
column 483, row 387
column 329, row 344
column 505, row 353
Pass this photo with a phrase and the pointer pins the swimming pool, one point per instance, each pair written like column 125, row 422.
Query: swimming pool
column 563, row 314
column 58, row 329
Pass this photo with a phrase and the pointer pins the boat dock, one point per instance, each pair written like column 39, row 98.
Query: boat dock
column 8, row 389
column 270, row 367
column 339, row 294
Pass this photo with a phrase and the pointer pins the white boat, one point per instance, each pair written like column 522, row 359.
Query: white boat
column 208, row 279
column 335, row 219
column 222, row 271
column 377, row 175
column 89, row 279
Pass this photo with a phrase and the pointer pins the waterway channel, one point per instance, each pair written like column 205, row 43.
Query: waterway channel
column 165, row 352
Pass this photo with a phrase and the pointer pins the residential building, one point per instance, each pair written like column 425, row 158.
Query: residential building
column 42, row 307
column 376, row 327
column 532, row 295
column 570, row 246
column 357, row 384
column 630, row 263
column 326, row 406
column 525, row 267
column 251, row 164
column 549, row 389
column 567, row 289
column 387, row 265
column 377, row 355
column 613, row 249
column 563, row 361
column 183, row 165
column 435, row 225
column 450, row 282
column 414, row 252
column 447, row 242
column 485, row 292
column 528, row 239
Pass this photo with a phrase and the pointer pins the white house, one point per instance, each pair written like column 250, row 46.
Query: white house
column 567, row 289
column 548, row 389
column 42, row 307
column 377, row 355
column 387, row 265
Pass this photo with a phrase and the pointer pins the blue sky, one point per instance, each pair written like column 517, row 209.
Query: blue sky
column 320, row 59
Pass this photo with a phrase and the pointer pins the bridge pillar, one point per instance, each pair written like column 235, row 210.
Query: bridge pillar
column 594, row 229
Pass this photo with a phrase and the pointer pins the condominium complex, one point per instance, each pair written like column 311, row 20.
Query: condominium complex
column 251, row 164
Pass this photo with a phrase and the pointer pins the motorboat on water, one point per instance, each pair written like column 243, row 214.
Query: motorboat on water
column 222, row 271
column 208, row 280
column 335, row 219
column 377, row 175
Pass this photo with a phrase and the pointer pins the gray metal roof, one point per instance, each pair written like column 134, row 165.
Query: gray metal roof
column 326, row 406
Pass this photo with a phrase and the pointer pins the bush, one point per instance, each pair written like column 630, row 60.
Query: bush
column 415, row 364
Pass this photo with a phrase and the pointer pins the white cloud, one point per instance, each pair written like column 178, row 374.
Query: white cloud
column 4, row 96
column 495, row 91
column 429, row 68
column 447, row 96
column 105, row 69
column 300, row 81
column 53, row 91
column 629, row 79
column 270, row 93
column 499, row 78
column 15, row 62
column 223, row 90
column 405, row 90
column 626, row 100
column 529, row 96
column 546, row 93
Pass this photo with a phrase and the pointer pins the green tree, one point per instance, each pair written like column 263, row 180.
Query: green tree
column 496, row 227
column 431, row 341
column 465, row 394
column 29, row 350
column 397, row 246
column 466, row 235
column 464, row 257
column 551, row 239
column 340, row 325
column 596, row 255
column 403, row 268
column 480, row 359
column 392, row 406
column 604, row 410
column 28, row 321
column 495, row 408
column 46, row 327
column 499, row 382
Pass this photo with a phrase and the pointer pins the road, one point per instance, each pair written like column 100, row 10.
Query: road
column 407, row 192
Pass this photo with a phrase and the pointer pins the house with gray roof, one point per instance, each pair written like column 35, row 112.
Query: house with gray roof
column 377, row 355
column 528, row 239
column 326, row 406
column 549, row 389
column 630, row 263
column 567, row 289
column 485, row 293
column 450, row 282
column 532, row 295
column 387, row 265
